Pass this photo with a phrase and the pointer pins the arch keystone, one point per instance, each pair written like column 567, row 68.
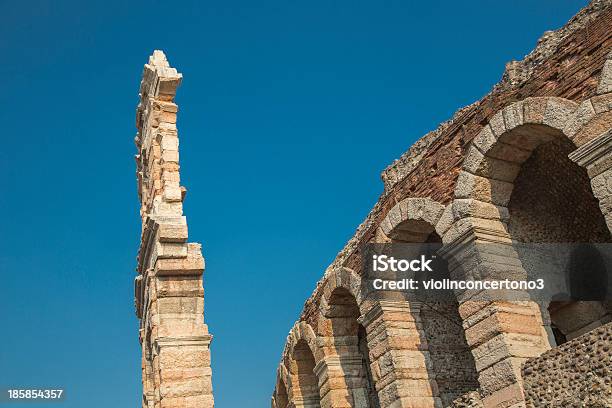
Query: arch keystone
column 417, row 209
column 558, row 112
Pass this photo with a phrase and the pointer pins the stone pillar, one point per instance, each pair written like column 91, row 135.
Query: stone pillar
column 342, row 382
column 401, row 365
column 596, row 157
column 304, row 402
column 334, row 382
column 502, row 333
column 168, row 289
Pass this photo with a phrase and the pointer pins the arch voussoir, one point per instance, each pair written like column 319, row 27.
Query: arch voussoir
column 340, row 278
column 495, row 157
column 418, row 209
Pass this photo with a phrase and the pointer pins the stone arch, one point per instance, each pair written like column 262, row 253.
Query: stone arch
column 499, row 153
column 434, row 324
column 495, row 157
column 425, row 213
column 340, row 278
column 517, row 180
column 302, row 355
column 348, row 369
column 490, row 213
column 303, row 331
column 280, row 397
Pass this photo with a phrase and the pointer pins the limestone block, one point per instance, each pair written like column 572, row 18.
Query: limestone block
column 173, row 193
column 534, row 109
column 476, row 163
column 170, row 250
column 483, row 189
column 508, row 153
column 513, row 115
column 499, row 376
column 581, row 117
column 395, row 216
column 605, row 80
column 558, row 112
column 194, row 401
column 528, row 136
column 445, row 221
column 182, row 357
column 192, row 265
column 597, row 126
column 169, row 142
column 602, row 185
column 485, row 139
column 602, row 103
column 425, row 209
column 172, row 232
column 497, row 124
column 463, row 208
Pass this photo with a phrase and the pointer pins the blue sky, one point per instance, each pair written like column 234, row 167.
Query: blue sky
column 288, row 113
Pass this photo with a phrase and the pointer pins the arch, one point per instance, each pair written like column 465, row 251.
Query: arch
column 340, row 278
column 302, row 331
column 280, row 397
column 345, row 341
column 421, row 221
column 494, row 159
column 305, row 384
column 424, row 211
column 583, row 306
column 499, row 154
column 301, row 356
column 512, row 185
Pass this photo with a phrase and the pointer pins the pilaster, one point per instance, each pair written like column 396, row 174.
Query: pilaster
column 401, row 365
column 501, row 332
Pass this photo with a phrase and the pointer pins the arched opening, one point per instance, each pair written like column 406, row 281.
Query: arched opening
column 305, row 385
column 351, row 346
column 281, row 398
column 452, row 363
column 586, row 307
column 551, row 201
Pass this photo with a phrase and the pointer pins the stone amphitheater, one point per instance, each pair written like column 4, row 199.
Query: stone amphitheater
column 530, row 162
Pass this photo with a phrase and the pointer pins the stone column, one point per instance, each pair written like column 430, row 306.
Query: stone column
column 401, row 365
column 596, row 157
column 502, row 333
column 342, row 383
column 332, row 383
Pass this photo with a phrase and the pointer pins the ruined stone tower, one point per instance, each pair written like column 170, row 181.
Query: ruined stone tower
column 168, row 289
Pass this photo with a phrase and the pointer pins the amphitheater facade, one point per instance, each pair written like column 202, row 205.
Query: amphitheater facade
column 531, row 162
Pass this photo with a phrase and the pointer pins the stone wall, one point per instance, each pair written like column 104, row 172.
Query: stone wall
column 576, row 374
column 536, row 149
